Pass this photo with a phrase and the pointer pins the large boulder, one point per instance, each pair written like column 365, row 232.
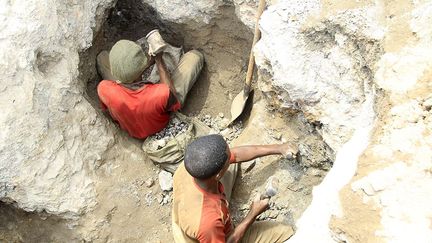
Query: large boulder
column 361, row 73
column 51, row 137
column 323, row 67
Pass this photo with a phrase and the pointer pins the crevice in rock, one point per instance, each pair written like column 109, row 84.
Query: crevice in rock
column 225, row 42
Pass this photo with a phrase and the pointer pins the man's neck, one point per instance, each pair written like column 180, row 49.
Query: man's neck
column 210, row 185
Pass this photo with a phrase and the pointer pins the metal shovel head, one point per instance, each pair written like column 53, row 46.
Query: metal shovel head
column 238, row 105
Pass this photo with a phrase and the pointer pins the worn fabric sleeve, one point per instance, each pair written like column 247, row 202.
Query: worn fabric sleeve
column 212, row 232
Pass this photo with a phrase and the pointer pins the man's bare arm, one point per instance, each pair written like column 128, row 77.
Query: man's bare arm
column 250, row 152
column 258, row 206
column 165, row 78
column 164, row 75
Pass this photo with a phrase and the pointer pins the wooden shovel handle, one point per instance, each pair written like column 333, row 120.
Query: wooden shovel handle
column 257, row 36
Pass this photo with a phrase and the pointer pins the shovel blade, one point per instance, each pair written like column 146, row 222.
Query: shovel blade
column 238, row 105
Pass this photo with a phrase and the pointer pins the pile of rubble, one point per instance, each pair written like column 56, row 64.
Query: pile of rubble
column 174, row 128
column 166, row 185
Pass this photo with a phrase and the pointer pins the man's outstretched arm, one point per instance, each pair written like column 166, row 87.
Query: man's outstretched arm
column 250, row 152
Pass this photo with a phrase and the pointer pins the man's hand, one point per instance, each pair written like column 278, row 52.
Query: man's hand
column 289, row 150
column 259, row 205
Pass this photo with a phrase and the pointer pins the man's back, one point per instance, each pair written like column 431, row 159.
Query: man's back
column 140, row 112
column 198, row 215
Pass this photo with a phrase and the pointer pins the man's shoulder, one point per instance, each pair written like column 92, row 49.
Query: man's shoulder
column 106, row 86
column 107, row 83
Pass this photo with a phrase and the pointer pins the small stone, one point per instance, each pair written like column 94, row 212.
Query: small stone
column 221, row 115
column 224, row 122
column 148, row 198
column 226, row 133
column 166, row 199
column 165, row 181
column 140, row 182
column 245, row 207
column 273, row 214
column 277, row 136
column 149, row 182
column 160, row 198
column 428, row 103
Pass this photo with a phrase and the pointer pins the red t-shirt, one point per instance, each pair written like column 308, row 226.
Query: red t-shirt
column 140, row 112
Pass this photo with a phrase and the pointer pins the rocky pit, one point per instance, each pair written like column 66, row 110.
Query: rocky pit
column 348, row 82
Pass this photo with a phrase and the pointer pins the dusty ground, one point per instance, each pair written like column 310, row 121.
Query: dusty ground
column 129, row 210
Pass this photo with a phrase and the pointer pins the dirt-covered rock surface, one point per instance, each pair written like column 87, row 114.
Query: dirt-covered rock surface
column 349, row 82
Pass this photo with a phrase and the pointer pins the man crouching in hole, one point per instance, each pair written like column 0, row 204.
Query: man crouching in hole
column 202, row 190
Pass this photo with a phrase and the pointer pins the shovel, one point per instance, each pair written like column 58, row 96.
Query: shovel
column 239, row 101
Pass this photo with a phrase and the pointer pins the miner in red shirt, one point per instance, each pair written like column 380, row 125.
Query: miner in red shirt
column 143, row 108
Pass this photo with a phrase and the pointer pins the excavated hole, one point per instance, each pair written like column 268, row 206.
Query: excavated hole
column 225, row 42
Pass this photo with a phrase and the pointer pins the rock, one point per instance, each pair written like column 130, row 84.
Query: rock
column 198, row 11
column 277, row 136
column 160, row 198
column 224, row 122
column 273, row 214
column 226, row 133
column 161, row 143
column 165, row 180
column 149, row 198
column 53, row 140
column 427, row 104
column 245, row 207
column 149, row 182
column 221, row 115
column 332, row 53
column 166, row 199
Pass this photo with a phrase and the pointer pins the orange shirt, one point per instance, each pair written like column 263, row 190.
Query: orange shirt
column 140, row 112
column 198, row 215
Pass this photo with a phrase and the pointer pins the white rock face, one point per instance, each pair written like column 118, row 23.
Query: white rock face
column 186, row 11
column 325, row 64
column 202, row 11
column 320, row 67
column 51, row 137
column 328, row 64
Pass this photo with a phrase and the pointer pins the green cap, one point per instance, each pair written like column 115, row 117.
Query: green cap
column 127, row 61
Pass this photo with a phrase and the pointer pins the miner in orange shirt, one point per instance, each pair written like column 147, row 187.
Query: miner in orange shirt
column 202, row 190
